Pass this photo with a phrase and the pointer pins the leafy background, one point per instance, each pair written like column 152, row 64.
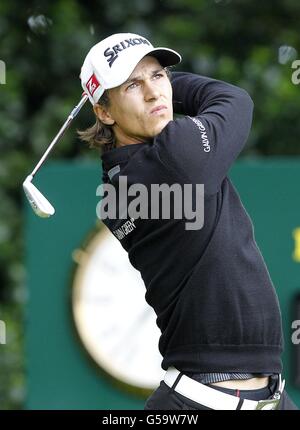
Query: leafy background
column 250, row 43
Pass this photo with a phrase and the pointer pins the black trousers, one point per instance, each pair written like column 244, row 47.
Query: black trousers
column 165, row 398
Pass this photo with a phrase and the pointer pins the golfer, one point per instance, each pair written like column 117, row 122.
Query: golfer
column 217, row 309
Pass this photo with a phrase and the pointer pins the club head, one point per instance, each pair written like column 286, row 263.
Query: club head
column 38, row 202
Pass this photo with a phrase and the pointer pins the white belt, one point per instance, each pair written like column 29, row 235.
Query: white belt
column 215, row 399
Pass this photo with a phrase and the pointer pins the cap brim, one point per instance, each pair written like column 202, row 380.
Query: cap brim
column 166, row 56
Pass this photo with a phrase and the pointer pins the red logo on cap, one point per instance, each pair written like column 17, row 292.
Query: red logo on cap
column 92, row 84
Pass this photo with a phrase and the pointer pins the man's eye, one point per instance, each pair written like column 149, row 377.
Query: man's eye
column 131, row 86
column 158, row 75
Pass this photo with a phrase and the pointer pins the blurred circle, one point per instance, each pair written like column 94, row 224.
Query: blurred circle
column 39, row 24
column 286, row 53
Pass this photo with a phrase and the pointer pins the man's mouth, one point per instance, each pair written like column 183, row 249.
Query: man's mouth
column 158, row 110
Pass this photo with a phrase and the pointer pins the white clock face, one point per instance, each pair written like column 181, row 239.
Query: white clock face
column 114, row 322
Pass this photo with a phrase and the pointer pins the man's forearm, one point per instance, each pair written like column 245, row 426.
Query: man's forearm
column 195, row 94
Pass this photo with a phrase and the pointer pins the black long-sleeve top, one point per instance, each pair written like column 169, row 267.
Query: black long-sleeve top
column 215, row 303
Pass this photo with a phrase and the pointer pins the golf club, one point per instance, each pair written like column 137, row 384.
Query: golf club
column 41, row 206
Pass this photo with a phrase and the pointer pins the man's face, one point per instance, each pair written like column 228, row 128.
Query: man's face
column 142, row 106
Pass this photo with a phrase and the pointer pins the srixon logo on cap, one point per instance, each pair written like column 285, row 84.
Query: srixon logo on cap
column 113, row 53
column 92, row 84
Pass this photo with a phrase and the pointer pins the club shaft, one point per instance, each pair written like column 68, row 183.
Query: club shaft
column 60, row 133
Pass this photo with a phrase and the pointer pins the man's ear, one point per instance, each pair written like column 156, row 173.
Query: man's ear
column 103, row 114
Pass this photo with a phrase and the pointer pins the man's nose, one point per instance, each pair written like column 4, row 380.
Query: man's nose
column 151, row 91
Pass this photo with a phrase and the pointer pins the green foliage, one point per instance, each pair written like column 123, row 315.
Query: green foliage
column 44, row 43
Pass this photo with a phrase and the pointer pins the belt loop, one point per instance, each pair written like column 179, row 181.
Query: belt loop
column 172, row 388
column 240, row 404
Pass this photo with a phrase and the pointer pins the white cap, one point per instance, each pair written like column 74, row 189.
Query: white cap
column 110, row 62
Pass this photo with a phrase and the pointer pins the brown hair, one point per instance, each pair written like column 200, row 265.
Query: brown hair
column 99, row 135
